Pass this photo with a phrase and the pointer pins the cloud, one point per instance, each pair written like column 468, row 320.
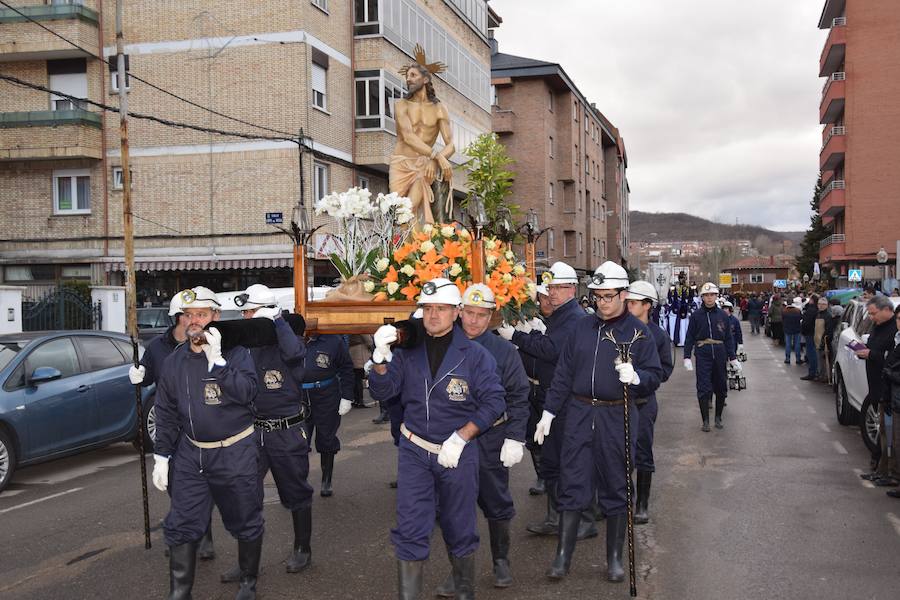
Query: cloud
column 717, row 100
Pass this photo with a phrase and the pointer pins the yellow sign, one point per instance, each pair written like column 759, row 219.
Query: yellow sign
column 724, row 280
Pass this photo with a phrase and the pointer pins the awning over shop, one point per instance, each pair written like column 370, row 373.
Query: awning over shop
column 205, row 265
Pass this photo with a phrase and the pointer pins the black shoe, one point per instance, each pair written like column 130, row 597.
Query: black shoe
column 464, row 576
column 641, row 514
column 705, row 425
column 550, row 524
column 383, row 417
column 182, row 563
column 870, row 476
column 587, row 528
column 499, row 533
column 808, row 377
column 327, row 462
column 886, row 482
column 538, row 489
column 447, row 589
column 615, row 540
column 206, row 551
column 893, row 493
column 249, row 554
column 232, row 575
column 301, row 557
column 409, row 579
column 565, row 547
column 787, row 362
column 719, row 424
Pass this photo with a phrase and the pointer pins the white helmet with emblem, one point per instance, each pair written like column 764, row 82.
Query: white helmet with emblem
column 609, row 276
column 559, row 274
column 176, row 306
column 256, row 296
column 709, row 288
column 479, row 295
column 440, row 291
column 642, row 290
column 199, row 297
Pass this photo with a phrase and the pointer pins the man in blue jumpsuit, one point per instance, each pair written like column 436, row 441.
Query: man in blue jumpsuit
column 146, row 375
column 502, row 446
column 589, row 379
column 327, row 387
column 279, row 422
column 736, row 332
column 709, row 336
column 450, row 392
column 536, row 392
column 642, row 295
column 561, row 281
column 204, row 406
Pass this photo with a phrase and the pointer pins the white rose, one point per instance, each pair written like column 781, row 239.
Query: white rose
column 455, row 270
column 507, row 278
column 519, row 270
column 427, row 246
column 464, row 234
column 491, row 261
column 490, row 244
column 509, row 255
column 408, row 270
column 447, row 231
column 392, row 287
column 369, row 286
column 381, row 264
column 427, row 228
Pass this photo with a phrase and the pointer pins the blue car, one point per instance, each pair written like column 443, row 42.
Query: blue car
column 65, row 392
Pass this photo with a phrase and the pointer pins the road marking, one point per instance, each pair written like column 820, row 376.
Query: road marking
column 895, row 521
column 864, row 482
column 50, row 497
column 42, row 477
column 824, row 427
column 839, row 447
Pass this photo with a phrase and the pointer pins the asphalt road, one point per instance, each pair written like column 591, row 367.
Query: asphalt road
column 770, row 507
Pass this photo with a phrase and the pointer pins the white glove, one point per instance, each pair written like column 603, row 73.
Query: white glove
column 384, row 337
column 451, row 450
column 136, row 374
column 419, row 313
column 543, row 427
column 213, row 348
column 512, row 452
column 736, row 365
column 506, row 331
column 344, row 407
column 267, row 313
column 538, row 325
column 627, row 373
column 160, row 472
column 523, row 326
column 368, row 367
column 740, row 349
column 688, row 365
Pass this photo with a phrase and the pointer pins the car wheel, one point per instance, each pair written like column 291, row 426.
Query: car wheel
column 841, row 405
column 149, row 414
column 7, row 459
column 869, row 425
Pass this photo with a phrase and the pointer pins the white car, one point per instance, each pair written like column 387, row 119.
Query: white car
column 849, row 372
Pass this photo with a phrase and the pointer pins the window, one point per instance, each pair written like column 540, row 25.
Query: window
column 575, row 154
column 550, row 193
column 72, row 191
column 376, row 93
column 99, row 352
column 550, row 146
column 580, row 242
column 568, row 243
column 550, row 101
column 113, row 74
column 587, row 165
column 319, row 86
column 68, row 76
column 80, row 2
column 494, row 98
column 603, row 249
column 322, row 4
column 117, row 178
column 551, row 241
column 58, row 353
column 320, row 181
column 575, row 110
column 364, row 182
column 365, row 17
column 756, row 277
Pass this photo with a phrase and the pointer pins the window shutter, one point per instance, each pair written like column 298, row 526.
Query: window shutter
column 318, row 78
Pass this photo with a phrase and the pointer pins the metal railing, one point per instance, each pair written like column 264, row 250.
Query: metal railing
column 836, row 130
column 836, row 76
column 837, row 184
column 835, row 238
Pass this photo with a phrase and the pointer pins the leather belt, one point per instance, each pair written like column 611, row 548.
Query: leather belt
column 223, row 443
column 503, row 418
column 269, row 425
column 317, row 385
column 420, row 442
column 708, row 342
column 597, row 402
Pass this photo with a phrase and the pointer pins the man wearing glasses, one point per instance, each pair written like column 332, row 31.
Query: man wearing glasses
column 589, row 391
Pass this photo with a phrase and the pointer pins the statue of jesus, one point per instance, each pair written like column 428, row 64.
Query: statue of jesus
column 417, row 169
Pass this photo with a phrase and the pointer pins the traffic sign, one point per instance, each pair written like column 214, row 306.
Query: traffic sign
column 274, row 218
column 854, row 275
column 724, row 280
column 780, row 283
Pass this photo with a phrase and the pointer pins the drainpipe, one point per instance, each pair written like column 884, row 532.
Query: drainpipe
column 103, row 142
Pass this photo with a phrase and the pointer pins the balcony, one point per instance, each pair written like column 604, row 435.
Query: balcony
column 833, row 198
column 832, row 248
column 833, row 95
column 50, row 134
column 832, row 10
column 833, row 149
column 22, row 40
column 503, row 121
column 835, row 48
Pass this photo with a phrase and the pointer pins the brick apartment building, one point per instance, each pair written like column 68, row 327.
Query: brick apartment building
column 328, row 67
column 570, row 161
column 861, row 126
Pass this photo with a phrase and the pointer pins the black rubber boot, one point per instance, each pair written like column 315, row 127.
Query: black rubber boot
column 641, row 515
column 464, row 576
column 719, row 423
column 446, row 589
column 409, row 579
column 704, row 412
column 615, row 540
column 207, row 551
column 538, row 488
column 587, row 528
column 249, row 554
column 383, row 416
column 301, row 557
column 550, row 524
column 499, row 532
column 182, row 562
column 565, row 547
column 327, row 461
column 232, row 575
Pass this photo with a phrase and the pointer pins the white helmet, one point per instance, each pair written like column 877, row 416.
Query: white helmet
column 609, row 276
column 727, row 304
column 176, row 305
column 559, row 274
column 199, row 297
column 256, row 296
column 479, row 295
column 709, row 288
column 642, row 290
column 542, row 290
column 440, row 291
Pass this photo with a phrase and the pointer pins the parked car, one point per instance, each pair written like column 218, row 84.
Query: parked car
column 152, row 321
column 849, row 373
column 65, row 392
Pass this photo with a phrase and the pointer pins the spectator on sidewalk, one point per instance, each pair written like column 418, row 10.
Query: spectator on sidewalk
column 808, row 329
column 822, row 333
column 775, row 311
column 892, row 386
column 791, row 318
column 754, row 312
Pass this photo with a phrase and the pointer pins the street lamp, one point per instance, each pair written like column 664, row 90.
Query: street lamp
column 532, row 230
column 882, row 257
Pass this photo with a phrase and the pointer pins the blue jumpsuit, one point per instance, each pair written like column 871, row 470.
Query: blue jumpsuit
column 736, row 330
column 209, row 406
column 710, row 331
column 648, row 407
column 465, row 389
column 493, row 478
column 535, row 399
column 156, row 353
column 327, row 377
column 546, row 348
column 279, row 369
column 594, row 442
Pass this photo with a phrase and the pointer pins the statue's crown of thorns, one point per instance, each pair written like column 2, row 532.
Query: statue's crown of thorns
column 433, row 68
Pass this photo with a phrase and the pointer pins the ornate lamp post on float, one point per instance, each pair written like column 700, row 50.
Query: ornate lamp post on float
column 532, row 231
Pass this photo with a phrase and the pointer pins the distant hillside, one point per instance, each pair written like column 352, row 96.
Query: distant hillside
column 680, row 226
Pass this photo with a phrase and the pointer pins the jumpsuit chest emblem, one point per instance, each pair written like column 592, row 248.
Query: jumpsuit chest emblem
column 457, row 390
column 273, row 379
column 323, row 361
column 720, row 326
column 212, row 394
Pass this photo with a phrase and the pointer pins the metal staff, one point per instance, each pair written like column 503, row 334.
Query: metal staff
column 624, row 349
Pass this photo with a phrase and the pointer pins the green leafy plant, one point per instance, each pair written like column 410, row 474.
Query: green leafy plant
column 489, row 178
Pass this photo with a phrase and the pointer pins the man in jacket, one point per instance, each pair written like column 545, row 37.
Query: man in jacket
column 754, row 312
column 808, row 331
column 792, row 320
column 776, row 306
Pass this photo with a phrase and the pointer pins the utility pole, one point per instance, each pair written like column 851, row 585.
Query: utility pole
column 128, row 231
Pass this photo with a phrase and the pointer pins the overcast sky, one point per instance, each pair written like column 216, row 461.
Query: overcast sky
column 717, row 100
